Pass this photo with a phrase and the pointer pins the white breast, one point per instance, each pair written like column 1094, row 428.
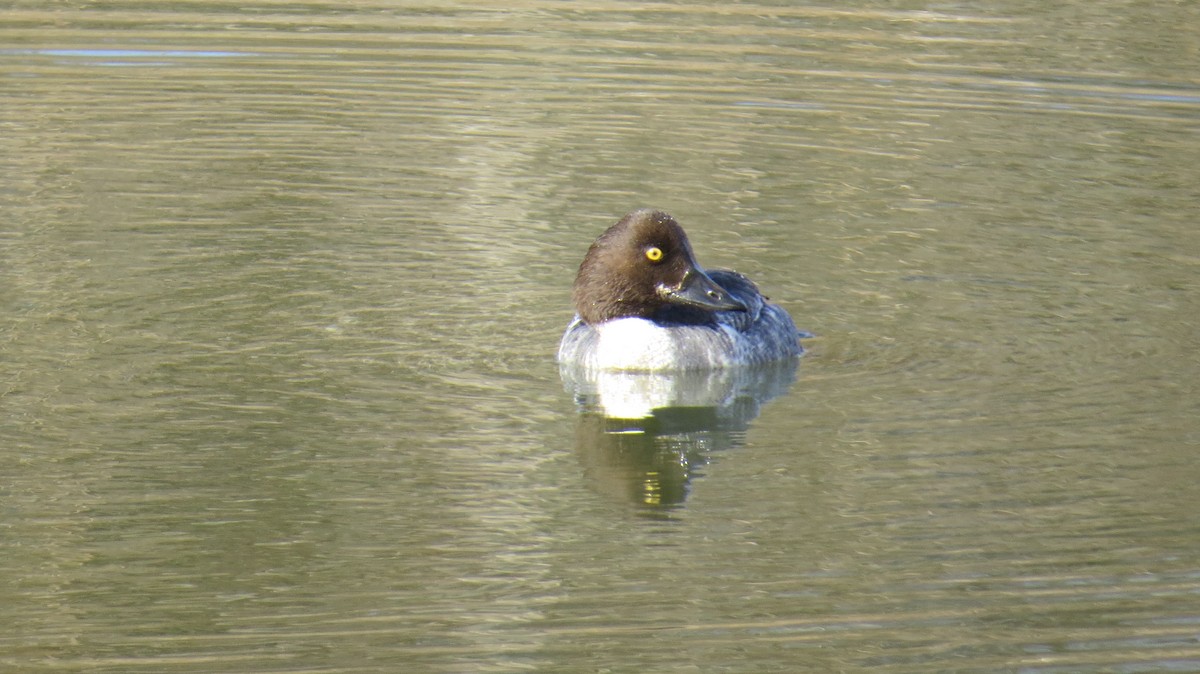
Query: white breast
column 635, row 344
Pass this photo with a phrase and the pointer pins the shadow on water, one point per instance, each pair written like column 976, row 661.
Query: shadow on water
column 643, row 436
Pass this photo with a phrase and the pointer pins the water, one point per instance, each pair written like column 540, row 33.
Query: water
column 281, row 286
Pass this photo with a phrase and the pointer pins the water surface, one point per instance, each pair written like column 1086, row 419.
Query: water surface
column 281, row 286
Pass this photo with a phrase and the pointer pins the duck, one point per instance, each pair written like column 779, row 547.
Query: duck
column 644, row 304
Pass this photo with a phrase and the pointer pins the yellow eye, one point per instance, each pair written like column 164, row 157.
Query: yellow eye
column 654, row 253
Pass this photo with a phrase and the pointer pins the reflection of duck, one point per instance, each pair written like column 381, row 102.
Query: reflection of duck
column 644, row 304
column 643, row 435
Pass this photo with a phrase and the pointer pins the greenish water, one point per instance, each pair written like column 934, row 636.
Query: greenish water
column 281, row 285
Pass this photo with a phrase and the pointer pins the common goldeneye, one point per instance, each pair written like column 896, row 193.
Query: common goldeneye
column 644, row 304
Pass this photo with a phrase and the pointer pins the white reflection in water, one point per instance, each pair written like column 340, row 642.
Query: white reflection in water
column 644, row 435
